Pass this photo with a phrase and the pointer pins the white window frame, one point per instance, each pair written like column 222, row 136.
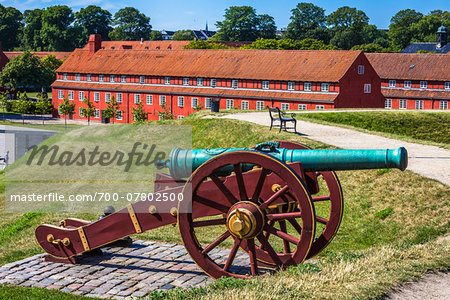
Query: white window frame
column 360, row 69
column 80, row 111
column 213, row 82
column 244, row 105
column 137, row 98
column 307, row 86
column 194, row 102
column 77, row 77
column 119, row 115
column 65, row 76
column 418, row 104
column 112, row 78
column 101, row 78
column 167, row 80
column 107, row 97
column 320, row 107
column 265, row 85
column 324, row 87
column 423, row 84
column 60, row 94
column 180, row 101
column 123, row 78
column 284, row 106
column 388, row 103
column 185, row 81
column 71, row 95
column 402, row 104
column 80, row 95
column 149, row 99
column 234, row 83
column 302, row 107
column 96, row 97
column 367, row 88
column 119, row 97
column 443, row 104
column 200, row 81
column 259, row 105
column 97, row 113
column 230, row 104
column 447, row 85
column 291, row 86
column 407, row 84
column 392, row 83
column 208, row 102
column 179, row 117
column 142, row 79
column 162, row 100
column 88, row 77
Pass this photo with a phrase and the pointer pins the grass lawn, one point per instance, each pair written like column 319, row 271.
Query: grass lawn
column 424, row 127
column 388, row 235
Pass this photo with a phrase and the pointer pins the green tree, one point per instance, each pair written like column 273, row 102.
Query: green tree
column 89, row 110
column 130, row 25
column 139, row 115
column 3, row 104
column 288, row 44
column 183, row 35
column 201, row 44
column 371, row 48
column 51, row 62
column 400, row 31
column 10, row 27
column 26, row 70
column 66, row 108
column 156, row 35
column 111, row 109
column 307, row 21
column 425, row 29
column 165, row 113
column 267, row 28
column 31, row 36
column 94, row 19
column 345, row 17
column 43, row 106
column 23, row 106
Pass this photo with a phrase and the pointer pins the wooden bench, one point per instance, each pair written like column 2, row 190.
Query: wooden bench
column 278, row 116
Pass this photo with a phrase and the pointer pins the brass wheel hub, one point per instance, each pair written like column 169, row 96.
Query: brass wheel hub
column 245, row 220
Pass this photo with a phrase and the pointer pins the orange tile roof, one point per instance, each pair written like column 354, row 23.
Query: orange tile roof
column 206, row 92
column 399, row 66
column 401, row 93
column 59, row 55
column 145, row 45
column 325, row 66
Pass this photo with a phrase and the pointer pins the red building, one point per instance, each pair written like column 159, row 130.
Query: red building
column 183, row 80
column 413, row 81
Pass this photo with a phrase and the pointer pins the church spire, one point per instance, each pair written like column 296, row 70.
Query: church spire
column 206, row 28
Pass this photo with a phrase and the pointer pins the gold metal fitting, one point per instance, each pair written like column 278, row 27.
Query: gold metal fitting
column 66, row 242
column 174, row 211
column 62, row 223
column 276, row 187
column 152, row 209
column 242, row 223
column 50, row 238
column 256, row 168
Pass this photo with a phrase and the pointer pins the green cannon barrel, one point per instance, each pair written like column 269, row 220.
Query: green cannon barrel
column 183, row 162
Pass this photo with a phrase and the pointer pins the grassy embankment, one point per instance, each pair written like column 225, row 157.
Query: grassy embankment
column 388, row 235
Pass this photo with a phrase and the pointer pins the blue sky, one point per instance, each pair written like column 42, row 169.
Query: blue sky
column 193, row 14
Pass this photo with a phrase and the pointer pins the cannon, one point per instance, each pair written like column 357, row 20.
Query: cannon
column 280, row 202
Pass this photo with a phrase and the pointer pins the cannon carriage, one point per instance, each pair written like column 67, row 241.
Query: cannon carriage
column 259, row 200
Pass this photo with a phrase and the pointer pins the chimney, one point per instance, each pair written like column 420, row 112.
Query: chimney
column 95, row 43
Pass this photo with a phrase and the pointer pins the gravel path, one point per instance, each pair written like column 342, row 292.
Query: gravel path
column 429, row 161
column 431, row 286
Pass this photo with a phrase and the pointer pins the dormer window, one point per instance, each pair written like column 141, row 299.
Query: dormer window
column 265, row 85
column 447, row 85
column 325, row 87
column 392, row 83
column 423, row 84
column 141, row 79
column 199, row 81
column 123, row 78
column 213, row 82
column 185, row 81
column 101, row 78
column 235, row 84
column 65, row 76
column 407, row 84
column 166, row 80
column 307, row 87
column 112, row 78
column 89, row 77
column 291, row 86
column 77, row 77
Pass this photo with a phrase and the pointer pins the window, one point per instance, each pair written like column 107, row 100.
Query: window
column 77, row 77
column 119, row 115
column 112, row 78
column 70, row 95
column 97, row 113
column 320, row 107
column 325, row 87
column 302, row 107
column 80, row 111
column 244, row 105
column 81, row 95
column 101, row 78
column 388, row 103
column 284, row 106
column 185, row 81
column 213, row 82
column 443, row 104
column 166, row 80
column 89, row 77
column 423, row 84
column 419, row 104
column 180, row 117
column 235, row 84
column 307, row 86
column 141, row 79
column 162, row 100
column 367, row 88
column 123, row 78
column 119, row 97
column 194, row 102
column 180, row 101
column 291, row 86
column 360, row 69
column 447, row 85
column 407, row 84
column 65, row 76
column 208, row 102
column 392, row 83
column 149, row 100
column 259, row 105
column 230, row 103
column 402, row 104
column 107, row 97
column 137, row 98
column 200, row 81
column 97, row 97
column 60, row 94
column 265, row 85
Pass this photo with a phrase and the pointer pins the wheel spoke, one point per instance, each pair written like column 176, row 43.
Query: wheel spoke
column 265, row 243
column 274, row 197
column 321, row 220
column 223, row 189
column 240, row 182
column 282, row 235
column 259, row 185
column 321, row 198
column 284, row 216
column 287, row 247
column 252, row 255
column 211, row 203
column 267, row 234
column 209, row 222
column 232, row 255
column 295, row 224
column 214, row 244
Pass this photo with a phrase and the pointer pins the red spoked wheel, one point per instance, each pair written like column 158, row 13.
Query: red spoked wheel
column 243, row 199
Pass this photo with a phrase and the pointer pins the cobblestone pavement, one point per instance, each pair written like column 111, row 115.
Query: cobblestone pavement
column 118, row 273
